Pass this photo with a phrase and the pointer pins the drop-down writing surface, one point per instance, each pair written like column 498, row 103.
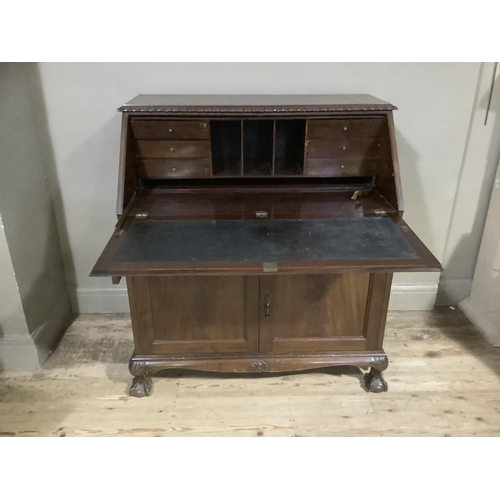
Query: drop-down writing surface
column 247, row 245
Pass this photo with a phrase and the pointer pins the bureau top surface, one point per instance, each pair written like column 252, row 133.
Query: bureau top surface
column 260, row 103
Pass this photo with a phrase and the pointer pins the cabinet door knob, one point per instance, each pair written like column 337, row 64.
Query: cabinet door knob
column 170, row 130
column 267, row 306
column 345, row 128
column 171, row 150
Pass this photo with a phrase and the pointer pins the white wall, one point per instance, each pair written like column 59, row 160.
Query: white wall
column 32, row 283
column 435, row 102
column 483, row 305
column 17, row 350
column 477, row 172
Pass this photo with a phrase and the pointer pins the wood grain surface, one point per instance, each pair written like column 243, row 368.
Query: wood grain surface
column 443, row 378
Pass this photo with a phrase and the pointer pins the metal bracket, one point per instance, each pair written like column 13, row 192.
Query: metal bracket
column 270, row 267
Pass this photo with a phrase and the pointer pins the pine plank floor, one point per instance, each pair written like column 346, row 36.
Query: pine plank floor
column 444, row 380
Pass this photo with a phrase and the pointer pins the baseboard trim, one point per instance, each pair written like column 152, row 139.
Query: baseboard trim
column 99, row 300
column 47, row 335
column 413, row 297
column 452, row 291
column 410, row 297
column 488, row 323
column 18, row 353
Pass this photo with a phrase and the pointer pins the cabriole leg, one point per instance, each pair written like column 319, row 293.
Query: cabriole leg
column 375, row 382
column 141, row 386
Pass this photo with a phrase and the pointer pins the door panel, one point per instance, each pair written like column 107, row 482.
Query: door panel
column 196, row 314
column 313, row 312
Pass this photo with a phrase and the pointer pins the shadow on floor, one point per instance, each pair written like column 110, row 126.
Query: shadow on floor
column 456, row 326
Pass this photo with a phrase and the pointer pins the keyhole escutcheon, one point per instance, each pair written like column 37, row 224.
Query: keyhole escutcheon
column 267, row 306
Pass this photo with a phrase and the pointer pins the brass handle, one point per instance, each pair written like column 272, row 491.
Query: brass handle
column 267, row 306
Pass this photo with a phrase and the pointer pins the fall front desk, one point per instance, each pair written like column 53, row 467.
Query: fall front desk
column 259, row 233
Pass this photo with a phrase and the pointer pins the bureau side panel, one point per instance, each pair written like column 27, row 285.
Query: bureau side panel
column 376, row 309
column 139, row 296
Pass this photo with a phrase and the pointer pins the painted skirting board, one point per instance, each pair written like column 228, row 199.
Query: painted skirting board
column 99, row 300
column 115, row 300
column 452, row 291
column 25, row 351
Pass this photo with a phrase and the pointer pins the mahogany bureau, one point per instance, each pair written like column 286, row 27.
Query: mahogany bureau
column 259, row 233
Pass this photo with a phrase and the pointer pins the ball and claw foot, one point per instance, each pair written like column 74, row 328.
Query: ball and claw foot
column 375, row 382
column 141, row 387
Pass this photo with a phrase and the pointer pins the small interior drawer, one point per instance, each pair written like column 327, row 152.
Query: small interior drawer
column 170, row 168
column 173, row 149
column 170, row 129
column 344, row 128
column 340, row 167
column 347, row 148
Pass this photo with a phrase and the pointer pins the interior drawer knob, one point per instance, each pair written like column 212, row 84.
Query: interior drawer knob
column 170, row 130
column 171, row 150
column 345, row 128
column 343, row 148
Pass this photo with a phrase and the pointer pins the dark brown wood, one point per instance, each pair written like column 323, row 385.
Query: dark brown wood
column 127, row 175
column 388, row 180
column 174, row 168
column 142, row 367
column 254, row 104
column 249, row 363
column 340, row 167
column 173, row 149
column 342, row 148
column 314, row 312
column 344, row 128
column 237, row 158
column 198, row 315
column 170, row 130
column 199, row 204
column 376, row 309
column 375, row 382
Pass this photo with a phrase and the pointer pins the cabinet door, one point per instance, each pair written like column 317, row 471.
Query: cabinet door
column 329, row 312
column 194, row 314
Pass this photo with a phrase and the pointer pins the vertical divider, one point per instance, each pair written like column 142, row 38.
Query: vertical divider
column 211, row 152
column 304, row 167
column 273, row 164
column 242, row 150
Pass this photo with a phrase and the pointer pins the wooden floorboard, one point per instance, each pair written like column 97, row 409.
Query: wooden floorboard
column 443, row 381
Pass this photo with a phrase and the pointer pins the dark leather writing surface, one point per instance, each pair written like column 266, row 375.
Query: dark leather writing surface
column 264, row 240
